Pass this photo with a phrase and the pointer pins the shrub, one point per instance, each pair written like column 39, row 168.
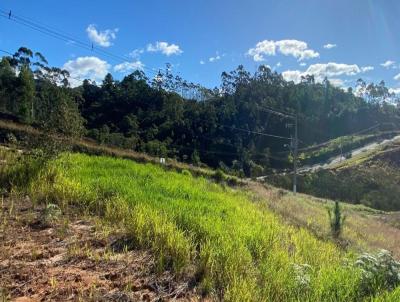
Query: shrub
column 379, row 271
column 50, row 214
column 219, row 176
column 186, row 172
column 336, row 220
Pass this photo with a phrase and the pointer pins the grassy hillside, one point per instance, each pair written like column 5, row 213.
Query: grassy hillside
column 371, row 178
column 235, row 249
column 340, row 145
column 27, row 137
column 365, row 229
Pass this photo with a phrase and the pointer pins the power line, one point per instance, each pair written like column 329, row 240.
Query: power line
column 51, row 31
column 47, row 30
column 219, row 143
column 255, row 132
column 326, row 142
column 274, row 111
column 225, row 153
column 7, row 52
column 71, row 77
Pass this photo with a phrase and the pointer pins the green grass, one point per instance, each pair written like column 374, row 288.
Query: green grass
column 236, row 249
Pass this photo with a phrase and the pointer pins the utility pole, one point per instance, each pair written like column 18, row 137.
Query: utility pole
column 294, row 140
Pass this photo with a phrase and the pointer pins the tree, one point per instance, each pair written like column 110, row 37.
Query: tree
column 26, row 95
column 7, row 86
column 59, row 112
column 336, row 220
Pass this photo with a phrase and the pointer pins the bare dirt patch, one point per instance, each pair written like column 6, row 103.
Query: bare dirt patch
column 70, row 259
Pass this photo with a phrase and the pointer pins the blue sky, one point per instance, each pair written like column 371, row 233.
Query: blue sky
column 203, row 38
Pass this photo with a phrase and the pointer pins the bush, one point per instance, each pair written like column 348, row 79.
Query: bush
column 379, row 271
column 219, row 176
column 336, row 220
column 186, row 172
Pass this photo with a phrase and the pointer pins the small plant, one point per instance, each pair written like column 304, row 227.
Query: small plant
column 302, row 274
column 379, row 270
column 219, row 176
column 50, row 214
column 186, row 172
column 336, row 220
column 11, row 139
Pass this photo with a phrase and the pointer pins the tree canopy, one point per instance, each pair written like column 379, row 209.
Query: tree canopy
column 231, row 126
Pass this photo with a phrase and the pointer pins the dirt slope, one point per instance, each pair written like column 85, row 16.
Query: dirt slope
column 76, row 259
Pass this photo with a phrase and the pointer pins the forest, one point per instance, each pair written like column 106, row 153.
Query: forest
column 231, row 127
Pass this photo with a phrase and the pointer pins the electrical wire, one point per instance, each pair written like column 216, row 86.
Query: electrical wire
column 47, row 30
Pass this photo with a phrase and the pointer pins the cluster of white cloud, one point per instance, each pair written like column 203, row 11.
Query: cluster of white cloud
column 330, row 70
column 95, row 69
column 91, row 68
column 367, row 68
column 213, row 59
column 394, row 91
column 389, row 64
column 127, row 67
column 136, row 53
column 216, row 58
column 330, row 46
column 164, row 48
column 103, row 38
column 295, row 48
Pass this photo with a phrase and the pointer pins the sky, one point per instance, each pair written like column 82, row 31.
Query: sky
column 341, row 39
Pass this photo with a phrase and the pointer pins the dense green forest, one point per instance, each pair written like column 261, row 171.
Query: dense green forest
column 230, row 127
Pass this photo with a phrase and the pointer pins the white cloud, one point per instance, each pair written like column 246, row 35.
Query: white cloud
column 295, row 48
column 394, row 90
column 136, row 53
column 213, row 59
column 330, row 70
column 292, row 75
column 397, row 77
column 303, row 64
column 389, row 64
column 367, row 68
column 330, row 46
column 262, row 48
column 202, row 62
column 127, row 67
column 86, row 68
column 337, row 82
column 165, row 48
column 103, row 38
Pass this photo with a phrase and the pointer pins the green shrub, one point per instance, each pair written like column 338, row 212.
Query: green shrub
column 336, row 220
column 379, row 271
column 186, row 172
column 219, row 176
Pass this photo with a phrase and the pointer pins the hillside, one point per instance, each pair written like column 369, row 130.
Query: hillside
column 244, row 125
column 370, row 178
column 226, row 242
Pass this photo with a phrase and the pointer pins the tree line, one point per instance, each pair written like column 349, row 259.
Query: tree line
column 230, row 127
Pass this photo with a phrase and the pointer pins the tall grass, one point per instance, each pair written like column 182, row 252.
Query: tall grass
column 239, row 251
